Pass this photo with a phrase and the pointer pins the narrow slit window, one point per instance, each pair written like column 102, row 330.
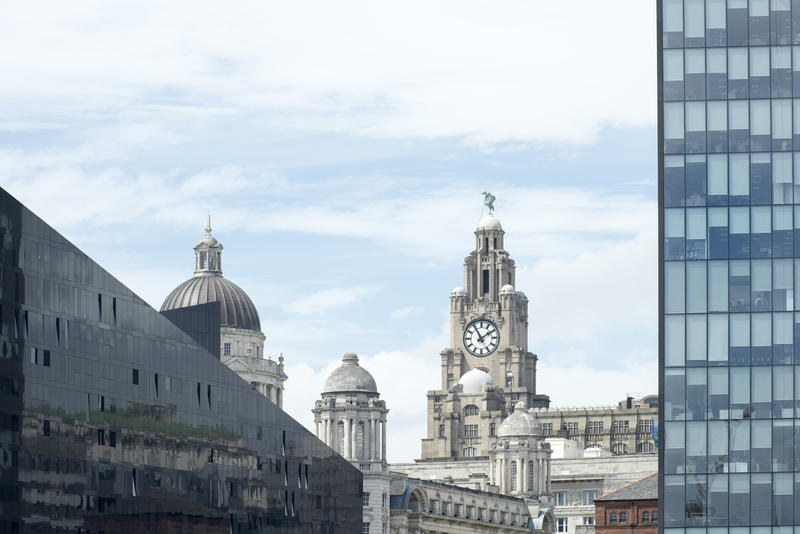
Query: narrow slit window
column 114, row 309
column 46, row 358
column 100, row 307
column 208, row 394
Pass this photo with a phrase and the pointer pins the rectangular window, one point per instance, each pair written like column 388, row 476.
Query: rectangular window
column 561, row 524
column 441, row 431
column 588, row 497
column 46, row 427
column 135, row 376
column 588, row 520
column 365, row 498
column 226, row 349
column 561, row 498
column 46, row 358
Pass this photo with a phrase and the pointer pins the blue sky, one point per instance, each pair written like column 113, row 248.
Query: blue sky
column 342, row 150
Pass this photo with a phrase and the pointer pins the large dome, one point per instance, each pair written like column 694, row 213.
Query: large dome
column 350, row 378
column 520, row 423
column 472, row 381
column 236, row 310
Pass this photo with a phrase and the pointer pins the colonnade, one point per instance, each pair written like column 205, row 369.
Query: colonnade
column 342, row 435
column 539, row 483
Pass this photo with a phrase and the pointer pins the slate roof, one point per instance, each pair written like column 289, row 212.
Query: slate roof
column 646, row 488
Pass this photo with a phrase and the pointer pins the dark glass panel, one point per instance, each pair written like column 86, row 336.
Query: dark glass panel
column 761, row 499
column 717, row 85
column 781, row 27
column 674, row 188
column 737, row 26
column 696, row 492
column 739, row 502
column 695, row 181
column 717, row 500
column 674, row 501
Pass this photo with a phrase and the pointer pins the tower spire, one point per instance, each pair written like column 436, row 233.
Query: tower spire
column 208, row 224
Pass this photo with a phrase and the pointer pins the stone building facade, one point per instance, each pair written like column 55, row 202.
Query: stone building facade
column 425, row 506
column 489, row 334
column 623, row 429
column 351, row 419
column 241, row 345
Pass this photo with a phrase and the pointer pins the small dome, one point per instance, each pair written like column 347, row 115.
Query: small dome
column 350, row 378
column 507, row 289
column 489, row 222
column 209, row 240
column 521, row 295
column 520, row 423
column 473, row 381
column 458, row 292
column 236, row 310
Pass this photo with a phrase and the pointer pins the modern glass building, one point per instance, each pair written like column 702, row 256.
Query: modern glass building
column 729, row 201
column 116, row 418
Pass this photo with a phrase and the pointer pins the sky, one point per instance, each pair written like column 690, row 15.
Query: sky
column 341, row 149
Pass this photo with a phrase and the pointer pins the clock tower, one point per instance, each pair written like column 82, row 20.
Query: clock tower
column 487, row 368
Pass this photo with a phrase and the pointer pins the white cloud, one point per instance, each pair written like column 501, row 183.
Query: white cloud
column 583, row 385
column 404, row 313
column 489, row 73
column 329, row 299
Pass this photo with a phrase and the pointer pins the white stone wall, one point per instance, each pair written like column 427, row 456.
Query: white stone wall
column 377, row 513
column 242, row 342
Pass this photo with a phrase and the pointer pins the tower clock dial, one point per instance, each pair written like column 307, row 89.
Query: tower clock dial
column 481, row 337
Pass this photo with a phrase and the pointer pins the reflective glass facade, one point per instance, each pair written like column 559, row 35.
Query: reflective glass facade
column 114, row 419
column 729, row 178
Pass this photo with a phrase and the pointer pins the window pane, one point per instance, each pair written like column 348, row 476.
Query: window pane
column 718, row 337
column 674, row 344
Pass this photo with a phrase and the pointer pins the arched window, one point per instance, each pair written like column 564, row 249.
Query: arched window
column 612, row 517
column 623, row 517
column 513, row 476
column 471, row 410
column 360, row 449
column 645, row 517
column 203, row 260
column 470, row 451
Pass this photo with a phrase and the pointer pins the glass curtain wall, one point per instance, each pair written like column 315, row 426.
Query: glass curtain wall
column 729, row 179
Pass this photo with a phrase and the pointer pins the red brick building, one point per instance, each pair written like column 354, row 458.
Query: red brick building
column 632, row 509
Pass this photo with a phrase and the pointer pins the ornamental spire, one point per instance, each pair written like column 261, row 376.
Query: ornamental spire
column 208, row 224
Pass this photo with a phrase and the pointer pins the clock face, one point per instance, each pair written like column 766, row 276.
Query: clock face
column 481, row 337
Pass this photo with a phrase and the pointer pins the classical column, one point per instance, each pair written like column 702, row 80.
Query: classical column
column 316, row 429
column 353, row 438
column 346, row 451
column 548, row 475
column 383, row 440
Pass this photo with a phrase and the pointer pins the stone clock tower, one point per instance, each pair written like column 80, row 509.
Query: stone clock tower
column 487, row 369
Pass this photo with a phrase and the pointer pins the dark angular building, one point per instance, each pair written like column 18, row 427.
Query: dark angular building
column 114, row 419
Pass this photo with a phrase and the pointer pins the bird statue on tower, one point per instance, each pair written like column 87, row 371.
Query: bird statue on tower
column 488, row 200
